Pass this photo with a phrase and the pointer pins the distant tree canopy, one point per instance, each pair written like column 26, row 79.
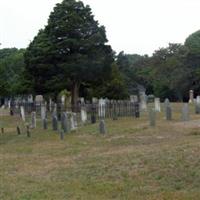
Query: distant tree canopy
column 71, row 51
column 12, row 80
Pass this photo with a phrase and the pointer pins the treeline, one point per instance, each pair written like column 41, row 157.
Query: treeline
column 71, row 53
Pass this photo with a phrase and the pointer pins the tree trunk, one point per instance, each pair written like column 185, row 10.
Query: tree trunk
column 75, row 95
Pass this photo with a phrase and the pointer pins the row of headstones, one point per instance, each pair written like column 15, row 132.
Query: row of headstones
column 185, row 113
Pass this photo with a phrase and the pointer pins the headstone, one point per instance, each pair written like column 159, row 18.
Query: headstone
column 166, row 103
column 143, row 101
column 102, row 127
column 185, row 112
column 62, row 134
column 191, row 95
column 168, row 113
column 43, row 111
column 28, row 131
column 39, row 99
column 152, row 117
column 55, row 122
column 18, row 131
column 73, row 120
column 83, row 114
column 157, row 104
column 33, row 120
column 133, row 98
column 44, row 122
column 30, row 98
column 197, row 105
column 102, row 108
column 65, row 123
column 22, row 113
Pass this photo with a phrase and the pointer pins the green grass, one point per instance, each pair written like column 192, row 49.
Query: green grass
column 132, row 161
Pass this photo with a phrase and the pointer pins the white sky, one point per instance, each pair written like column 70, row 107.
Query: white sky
column 134, row 26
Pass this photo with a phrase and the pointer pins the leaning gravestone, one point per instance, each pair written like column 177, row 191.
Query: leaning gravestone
column 152, row 117
column 157, row 104
column 185, row 112
column 22, row 113
column 102, row 127
column 33, row 120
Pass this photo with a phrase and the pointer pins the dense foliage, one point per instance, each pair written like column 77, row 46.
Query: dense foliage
column 71, row 53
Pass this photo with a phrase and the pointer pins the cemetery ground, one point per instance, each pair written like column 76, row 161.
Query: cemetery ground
column 131, row 161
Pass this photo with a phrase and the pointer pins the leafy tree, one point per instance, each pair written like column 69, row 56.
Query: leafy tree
column 12, row 80
column 69, row 52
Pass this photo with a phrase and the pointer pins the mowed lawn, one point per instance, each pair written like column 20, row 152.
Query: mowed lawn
column 132, row 161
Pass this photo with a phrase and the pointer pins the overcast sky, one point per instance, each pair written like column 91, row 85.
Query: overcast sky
column 134, row 26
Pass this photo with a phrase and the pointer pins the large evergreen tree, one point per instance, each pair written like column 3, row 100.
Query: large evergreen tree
column 70, row 51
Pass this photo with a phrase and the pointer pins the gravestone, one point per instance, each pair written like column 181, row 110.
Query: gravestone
column 55, row 122
column 62, row 134
column 102, row 127
column 65, row 123
column 73, row 120
column 83, row 114
column 43, row 111
column 50, row 104
column 197, row 105
column 191, row 95
column 39, row 99
column 33, row 120
column 166, row 103
column 157, row 104
column 168, row 113
column 102, row 108
column 133, row 98
column 143, row 101
column 152, row 117
column 22, row 113
column 44, row 122
column 185, row 112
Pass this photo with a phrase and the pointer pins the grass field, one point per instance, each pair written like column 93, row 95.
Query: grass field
column 132, row 161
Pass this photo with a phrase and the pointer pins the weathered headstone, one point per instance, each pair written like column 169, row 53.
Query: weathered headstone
column 152, row 117
column 83, row 114
column 102, row 108
column 197, row 105
column 43, row 111
column 22, row 113
column 157, row 104
column 62, row 134
column 55, row 122
column 185, row 112
column 102, row 127
column 44, row 122
column 191, row 95
column 143, row 101
column 39, row 99
column 18, row 131
column 65, row 123
column 73, row 120
column 33, row 120
column 168, row 113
